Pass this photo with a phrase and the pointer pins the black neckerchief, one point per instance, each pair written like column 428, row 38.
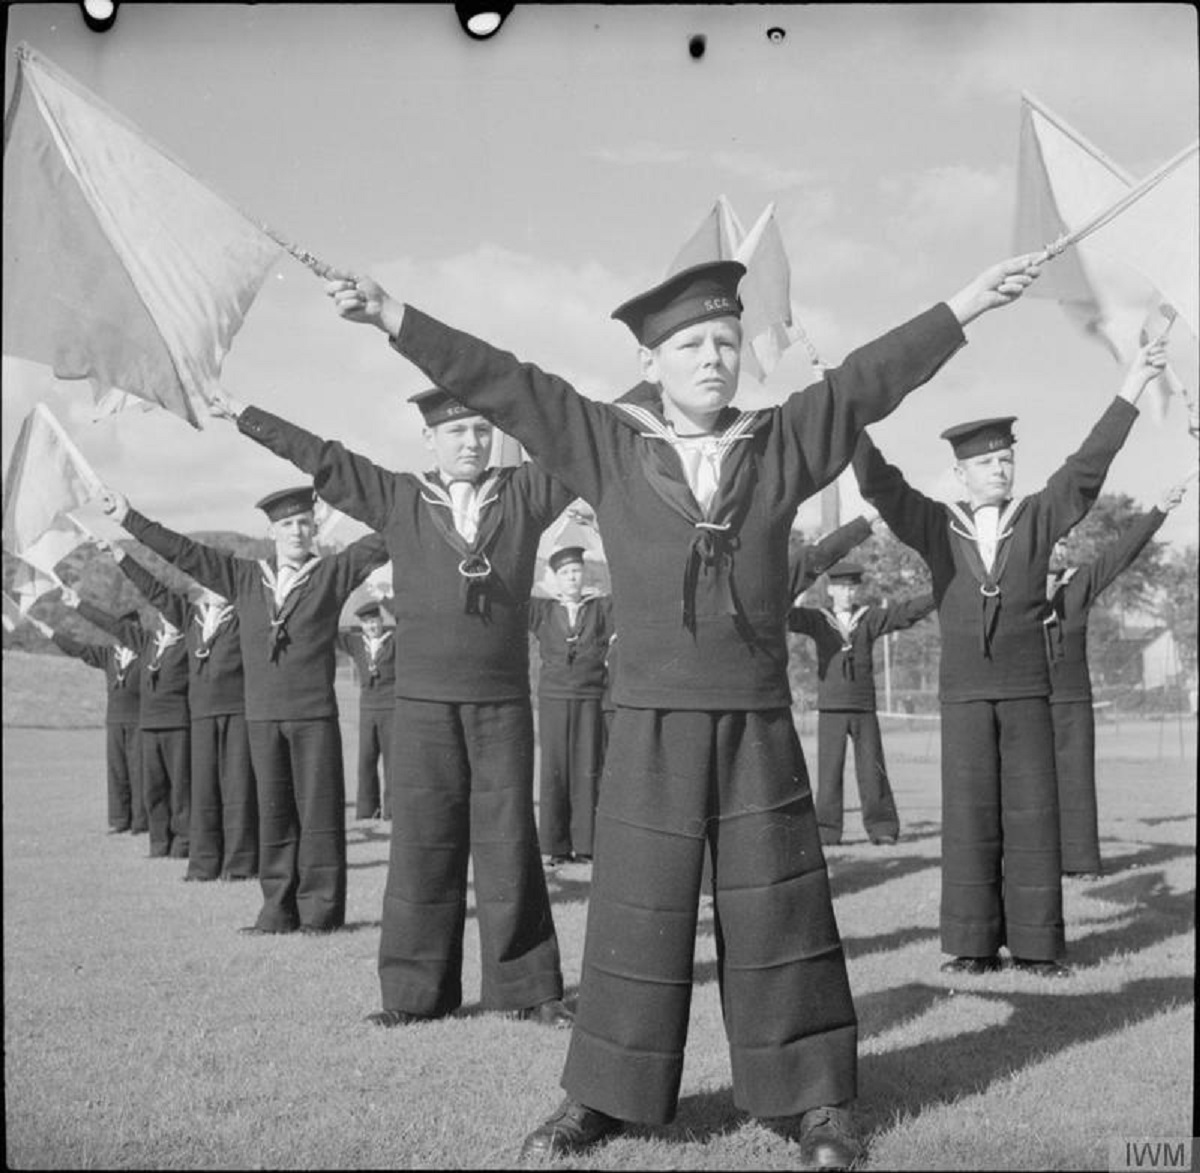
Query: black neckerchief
column 711, row 552
column 279, row 615
column 962, row 526
column 846, row 633
column 475, row 569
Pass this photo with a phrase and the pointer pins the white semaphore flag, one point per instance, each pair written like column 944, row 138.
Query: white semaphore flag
column 1115, row 280
column 120, row 267
column 47, row 476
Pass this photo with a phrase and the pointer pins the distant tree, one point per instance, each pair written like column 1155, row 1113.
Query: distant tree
column 1177, row 603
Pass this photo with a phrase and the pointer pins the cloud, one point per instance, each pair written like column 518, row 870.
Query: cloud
column 955, row 200
column 638, row 154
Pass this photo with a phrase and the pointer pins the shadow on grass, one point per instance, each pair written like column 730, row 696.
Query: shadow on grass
column 1149, row 855
column 1158, row 912
column 847, row 876
column 911, row 1079
column 885, row 942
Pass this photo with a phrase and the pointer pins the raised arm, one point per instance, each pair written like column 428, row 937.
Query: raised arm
column 359, row 558
column 348, row 481
column 804, row 620
column 917, row 520
column 810, row 561
column 546, row 414
column 827, row 418
column 212, row 568
column 1118, row 556
column 1072, row 490
column 905, row 613
column 172, row 604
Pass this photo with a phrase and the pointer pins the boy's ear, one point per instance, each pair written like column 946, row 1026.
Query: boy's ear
column 649, row 364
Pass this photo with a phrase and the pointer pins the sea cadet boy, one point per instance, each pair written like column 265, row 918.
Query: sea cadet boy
column 573, row 633
column 164, row 721
column 988, row 555
column 696, row 501
column 845, row 635
column 288, row 607
column 223, row 825
column 1071, row 591
column 463, row 541
column 123, row 743
column 372, row 649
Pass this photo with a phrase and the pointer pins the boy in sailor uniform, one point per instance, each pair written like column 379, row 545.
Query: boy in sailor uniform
column 223, row 826
column 989, row 555
column 573, row 633
column 372, row 649
column 845, row 636
column 164, row 721
column 123, row 743
column 696, row 502
column 288, row 607
column 1071, row 590
column 463, row 541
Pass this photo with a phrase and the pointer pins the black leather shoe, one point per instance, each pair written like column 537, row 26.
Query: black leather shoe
column 557, row 860
column 582, row 858
column 884, row 840
column 972, row 965
column 258, row 931
column 572, row 1129
column 395, row 1018
column 1083, row 875
column 318, row 931
column 118, row 831
column 827, row 1139
column 1050, row 969
column 549, row 1013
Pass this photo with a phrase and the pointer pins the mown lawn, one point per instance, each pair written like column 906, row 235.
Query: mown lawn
column 141, row 1031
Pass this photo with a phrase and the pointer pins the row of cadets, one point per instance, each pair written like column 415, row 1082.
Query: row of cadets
column 463, row 541
column 845, row 635
column 223, row 824
column 573, row 632
column 704, row 751
column 164, row 721
column 1071, row 590
column 288, row 606
column 989, row 557
column 123, row 741
column 371, row 647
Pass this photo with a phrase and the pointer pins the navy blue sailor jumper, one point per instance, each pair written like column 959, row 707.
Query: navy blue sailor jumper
column 287, row 656
column 1070, row 605
column 449, row 648
column 845, row 655
column 700, row 601
column 995, row 652
column 216, row 681
column 572, row 655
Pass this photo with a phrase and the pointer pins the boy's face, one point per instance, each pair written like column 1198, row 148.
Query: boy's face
column 842, row 594
column 570, row 579
column 697, row 367
column 372, row 626
column 988, row 477
column 1058, row 555
column 460, row 446
column 294, row 536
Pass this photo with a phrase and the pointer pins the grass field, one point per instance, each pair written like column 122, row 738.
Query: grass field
column 141, row 1031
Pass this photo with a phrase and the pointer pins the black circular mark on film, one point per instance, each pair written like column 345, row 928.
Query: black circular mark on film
column 775, row 34
column 697, row 45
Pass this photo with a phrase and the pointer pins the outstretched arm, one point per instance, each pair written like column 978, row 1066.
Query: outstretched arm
column 1118, row 556
column 346, row 480
column 212, row 568
column 811, row 561
column 1072, row 490
column 917, row 520
column 546, row 414
column 905, row 613
column 172, row 604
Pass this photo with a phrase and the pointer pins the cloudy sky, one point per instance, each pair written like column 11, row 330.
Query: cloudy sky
column 523, row 187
